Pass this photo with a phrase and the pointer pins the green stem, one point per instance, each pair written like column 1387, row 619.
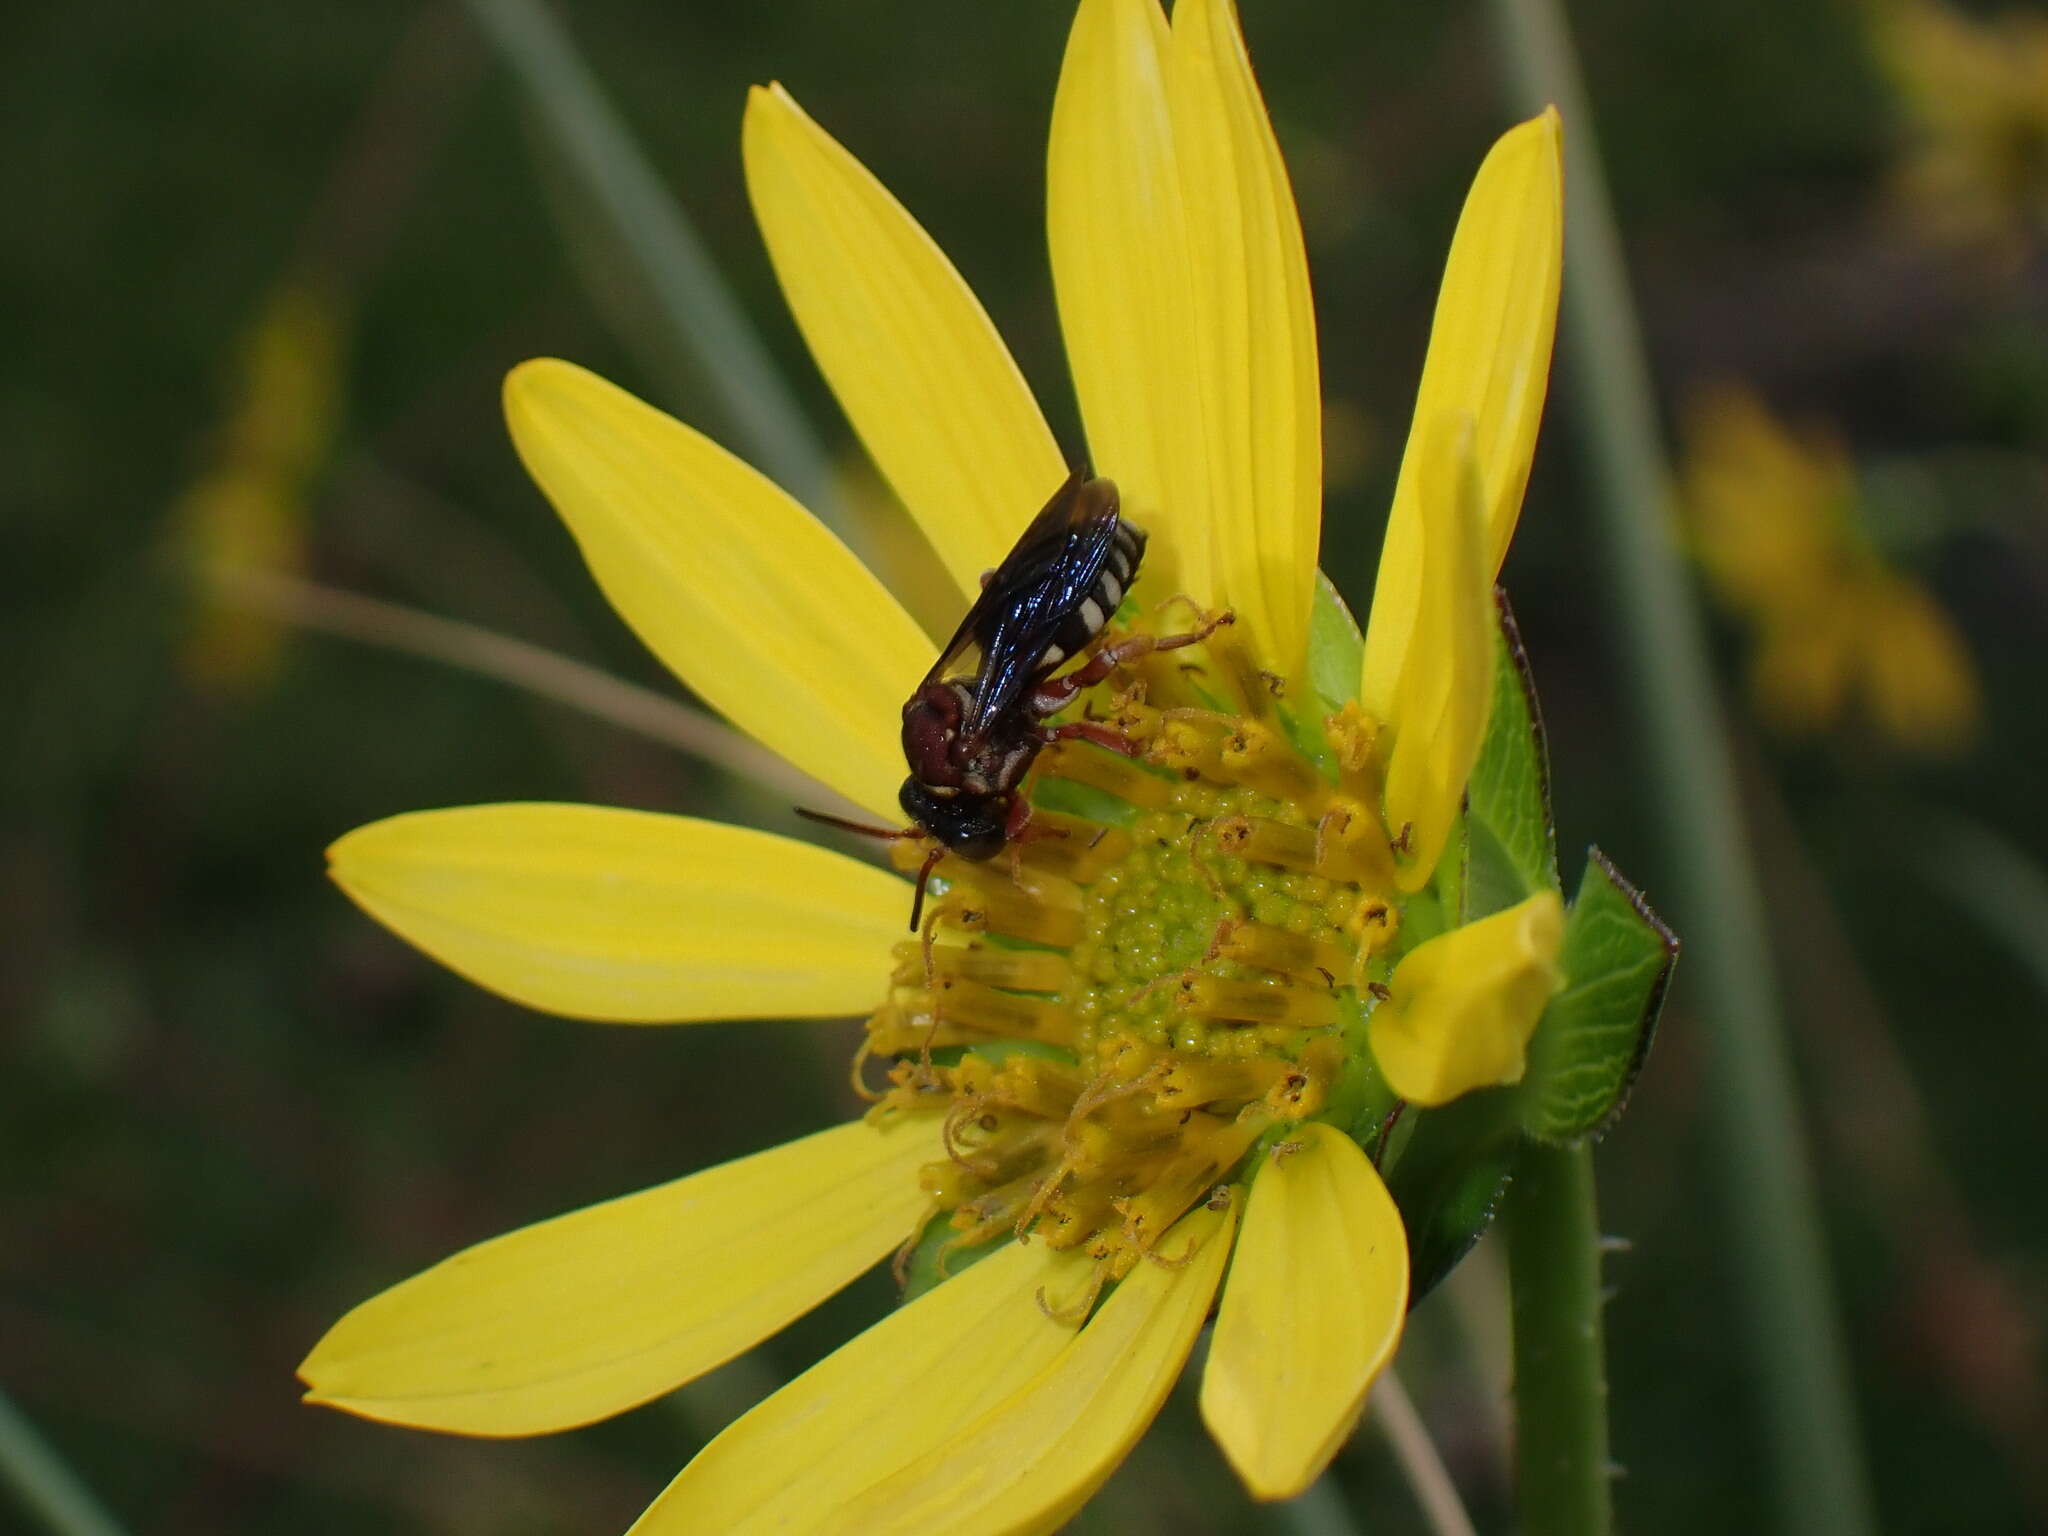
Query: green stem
column 1553, row 1232
column 1712, row 892
column 705, row 322
column 42, row 1484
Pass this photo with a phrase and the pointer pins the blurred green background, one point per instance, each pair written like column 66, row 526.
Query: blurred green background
column 230, row 1106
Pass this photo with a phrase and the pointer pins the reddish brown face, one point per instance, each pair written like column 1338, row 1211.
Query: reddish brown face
column 931, row 728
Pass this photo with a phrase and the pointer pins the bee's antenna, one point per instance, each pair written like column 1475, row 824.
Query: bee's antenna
column 826, row 818
column 924, row 874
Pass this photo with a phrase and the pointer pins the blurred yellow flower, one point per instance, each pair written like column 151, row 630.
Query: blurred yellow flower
column 247, row 511
column 1837, row 634
column 1117, row 1065
column 1976, row 91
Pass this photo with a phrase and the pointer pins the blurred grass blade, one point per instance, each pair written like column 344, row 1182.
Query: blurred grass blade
column 539, row 671
column 42, row 1484
column 689, row 295
column 1993, row 881
column 1420, row 1461
column 1709, row 887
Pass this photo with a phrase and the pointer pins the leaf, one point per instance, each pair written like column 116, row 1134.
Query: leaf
column 1447, row 1181
column 1513, row 845
column 1594, row 1036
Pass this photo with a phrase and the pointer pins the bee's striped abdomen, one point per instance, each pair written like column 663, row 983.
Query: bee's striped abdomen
column 1119, row 569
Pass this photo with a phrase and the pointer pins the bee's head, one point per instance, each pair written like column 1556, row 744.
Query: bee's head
column 971, row 825
column 931, row 726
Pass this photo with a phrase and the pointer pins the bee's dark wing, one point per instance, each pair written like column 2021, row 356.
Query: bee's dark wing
column 1041, row 581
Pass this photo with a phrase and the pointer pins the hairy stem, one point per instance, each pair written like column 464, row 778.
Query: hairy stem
column 1711, row 887
column 1561, row 1456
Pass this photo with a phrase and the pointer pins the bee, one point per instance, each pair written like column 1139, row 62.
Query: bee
column 977, row 721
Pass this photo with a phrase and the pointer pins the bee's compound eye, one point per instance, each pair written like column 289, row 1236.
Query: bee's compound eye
column 918, row 803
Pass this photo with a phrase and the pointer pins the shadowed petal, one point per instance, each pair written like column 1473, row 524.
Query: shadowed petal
column 741, row 592
column 909, row 351
column 1292, row 1357
column 1461, row 1006
column 877, row 1403
column 1489, row 360
column 626, row 916
column 581, row 1317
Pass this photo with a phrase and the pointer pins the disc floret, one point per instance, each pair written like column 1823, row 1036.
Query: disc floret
column 1113, row 1017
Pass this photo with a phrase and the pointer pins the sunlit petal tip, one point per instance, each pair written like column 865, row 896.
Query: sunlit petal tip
column 1489, row 355
column 581, row 1317
column 1461, row 1006
column 627, row 916
column 745, row 596
column 914, row 359
column 1031, row 1461
column 1311, row 1314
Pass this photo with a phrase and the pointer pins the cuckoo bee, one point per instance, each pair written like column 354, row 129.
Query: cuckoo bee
column 978, row 720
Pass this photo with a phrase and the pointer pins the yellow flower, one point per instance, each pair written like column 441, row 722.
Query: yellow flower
column 247, row 512
column 1838, row 632
column 1133, row 1060
column 1976, row 94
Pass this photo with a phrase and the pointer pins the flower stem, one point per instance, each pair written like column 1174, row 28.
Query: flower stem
column 1713, row 894
column 1561, row 1460
column 42, row 1484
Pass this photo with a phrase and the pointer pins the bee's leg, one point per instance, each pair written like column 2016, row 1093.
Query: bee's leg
column 1017, row 826
column 1091, row 730
column 1054, row 694
column 1209, row 625
column 1019, row 829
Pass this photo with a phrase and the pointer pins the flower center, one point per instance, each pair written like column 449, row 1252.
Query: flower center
column 1115, row 1012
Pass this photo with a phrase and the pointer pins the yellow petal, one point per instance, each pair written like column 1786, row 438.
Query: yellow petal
column 741, row 592
column 627, row 916
column 1461, row 1006
column 1489, row 359
column 912, row 356
column 1437, row 716
column 1922, row 686
column 1764, row 505
column 589, row 1314
column 877, row 1404
column 1120, row 270
column 1313, row 1309
column 1255, row 331
column 1028, row 1463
